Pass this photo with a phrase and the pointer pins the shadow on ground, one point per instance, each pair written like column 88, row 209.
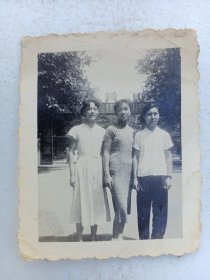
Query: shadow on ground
column 47, row 169
column 73, row 238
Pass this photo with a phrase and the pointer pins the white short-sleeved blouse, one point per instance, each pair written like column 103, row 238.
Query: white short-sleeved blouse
column 152, row 146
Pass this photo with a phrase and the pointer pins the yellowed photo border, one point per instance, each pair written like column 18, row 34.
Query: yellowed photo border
column 30, row 247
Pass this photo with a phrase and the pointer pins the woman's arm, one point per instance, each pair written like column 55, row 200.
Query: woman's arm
column 168, row 157
column 67, row 155
column 105, row 156
column 135, row 167
column 70, row 158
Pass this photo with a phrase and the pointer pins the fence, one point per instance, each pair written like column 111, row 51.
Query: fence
column 52, row 148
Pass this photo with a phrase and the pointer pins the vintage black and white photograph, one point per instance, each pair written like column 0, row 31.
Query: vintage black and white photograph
column 109, row 145
column 109, row 150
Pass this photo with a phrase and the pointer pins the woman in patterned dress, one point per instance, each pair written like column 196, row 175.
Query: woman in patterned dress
column 117, row 163
column 88, row 205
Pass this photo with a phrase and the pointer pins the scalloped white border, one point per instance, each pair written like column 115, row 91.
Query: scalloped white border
column 186, row 40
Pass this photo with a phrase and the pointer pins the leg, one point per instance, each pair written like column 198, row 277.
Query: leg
column 160, row 208
column 118, row 224
column 122, row 221
column 118, row 230
column 121, row 229
column 115, row 229
column 79, row 229
column 143, row 208
column 93, row 232
column 116, row 216
column 120, row 214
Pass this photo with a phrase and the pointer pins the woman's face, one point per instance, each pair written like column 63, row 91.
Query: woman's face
column 152, row 118
column 91, row 112
column 123, row 112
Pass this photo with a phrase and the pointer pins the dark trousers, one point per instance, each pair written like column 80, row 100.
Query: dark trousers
column 152, row 195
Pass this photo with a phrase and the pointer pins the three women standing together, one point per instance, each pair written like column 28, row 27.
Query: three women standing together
column 111, row 151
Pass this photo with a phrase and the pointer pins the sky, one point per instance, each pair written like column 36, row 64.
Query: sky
column 114, row 71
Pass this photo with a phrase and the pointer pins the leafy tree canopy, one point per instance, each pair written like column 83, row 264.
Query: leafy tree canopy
column 163, row 83
column 62, row 86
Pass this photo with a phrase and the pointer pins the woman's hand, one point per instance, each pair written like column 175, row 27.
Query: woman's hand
column 108, row 182
column 167, row 184
column 72, row 181
column 135, row 184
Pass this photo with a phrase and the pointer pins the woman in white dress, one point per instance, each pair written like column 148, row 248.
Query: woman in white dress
column 88, row 205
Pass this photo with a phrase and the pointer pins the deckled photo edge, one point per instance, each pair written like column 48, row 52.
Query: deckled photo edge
column 31, row 252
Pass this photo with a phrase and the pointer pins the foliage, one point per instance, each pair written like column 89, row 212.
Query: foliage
column 62, row 86
column 163, row 84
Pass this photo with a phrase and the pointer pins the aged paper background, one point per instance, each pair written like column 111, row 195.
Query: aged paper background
column 28, row 211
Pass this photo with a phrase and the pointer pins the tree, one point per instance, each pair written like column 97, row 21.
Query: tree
column 62, row 86
column 162, row 68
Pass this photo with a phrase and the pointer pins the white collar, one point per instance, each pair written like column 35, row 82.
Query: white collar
column 152, row 131
column 89, row 127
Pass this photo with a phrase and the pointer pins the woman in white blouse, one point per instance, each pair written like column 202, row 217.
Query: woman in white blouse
column 152, row 173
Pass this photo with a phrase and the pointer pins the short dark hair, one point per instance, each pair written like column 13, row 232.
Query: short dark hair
column 120, row 102
column 86, row 104
column 146, row 109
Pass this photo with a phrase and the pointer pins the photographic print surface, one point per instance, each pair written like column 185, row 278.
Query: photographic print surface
column 67, row 79
column 110, row 135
